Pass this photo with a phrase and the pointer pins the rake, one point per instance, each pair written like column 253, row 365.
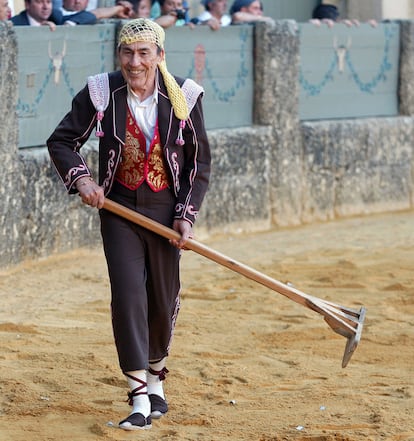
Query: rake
column 347, row 322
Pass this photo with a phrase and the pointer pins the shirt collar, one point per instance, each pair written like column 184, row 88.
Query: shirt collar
column 151, row 99
column 32, row 21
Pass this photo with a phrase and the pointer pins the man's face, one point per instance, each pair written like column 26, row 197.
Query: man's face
column 75, row 5
column 4, row 10
column 218, row 7
column 254, row 8
column 138, row 65
column 40, row 10
column 171, row 5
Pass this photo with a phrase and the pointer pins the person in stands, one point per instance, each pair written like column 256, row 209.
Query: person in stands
column 215, row 14
column 75, row 12
column 36, row 13
column 172, row 13
column 247, row 11
column 4, row 10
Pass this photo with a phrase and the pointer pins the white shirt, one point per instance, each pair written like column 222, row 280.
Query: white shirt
column 145, row 113
column 225, row 19
column 32, row 21
column 92, row 4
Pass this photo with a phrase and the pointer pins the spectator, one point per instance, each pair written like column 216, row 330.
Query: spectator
column 247, row 11
column 329, row 15
column 142, row 8
column 215, row 14
column 155, row 9
column 326, row 11
column 4, row 10
column 173, row 13
column 74, row 12
column 36, row 13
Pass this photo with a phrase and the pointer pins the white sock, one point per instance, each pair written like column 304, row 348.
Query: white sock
column 155, row 385
column 140, row 403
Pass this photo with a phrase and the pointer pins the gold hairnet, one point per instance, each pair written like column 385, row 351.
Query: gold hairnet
column 143, row 29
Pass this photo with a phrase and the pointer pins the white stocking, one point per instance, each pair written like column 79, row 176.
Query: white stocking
column 156, row 370
column 137, row 381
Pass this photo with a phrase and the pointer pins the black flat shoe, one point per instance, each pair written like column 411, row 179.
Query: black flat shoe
column 136, row 421
column 159, row 406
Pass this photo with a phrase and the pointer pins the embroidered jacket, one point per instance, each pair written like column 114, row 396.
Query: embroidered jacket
column 188, row 165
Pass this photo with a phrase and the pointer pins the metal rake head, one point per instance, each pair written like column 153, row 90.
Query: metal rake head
column 354, row 338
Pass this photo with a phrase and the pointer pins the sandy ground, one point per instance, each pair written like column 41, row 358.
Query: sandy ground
column 247, row 363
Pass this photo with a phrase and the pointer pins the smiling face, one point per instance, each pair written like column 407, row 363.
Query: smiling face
column 138, row 63
column 171, row 5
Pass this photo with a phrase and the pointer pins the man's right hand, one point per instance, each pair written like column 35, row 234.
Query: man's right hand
column 90, row 192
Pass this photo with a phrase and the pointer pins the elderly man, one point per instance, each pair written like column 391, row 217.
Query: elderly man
column 154, row 158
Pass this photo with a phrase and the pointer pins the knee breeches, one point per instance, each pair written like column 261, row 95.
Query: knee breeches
column 144, row 274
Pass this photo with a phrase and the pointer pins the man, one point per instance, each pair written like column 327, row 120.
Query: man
column 75, row 12
column 215, row 14
column 4, row 10
column 154, row 158
column 172, row 13
column 142, row 8
column 40, row 12
column 329, row 14
column 36, row 13
column 247, row 11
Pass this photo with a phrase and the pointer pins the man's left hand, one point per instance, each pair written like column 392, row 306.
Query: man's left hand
column 185, row 229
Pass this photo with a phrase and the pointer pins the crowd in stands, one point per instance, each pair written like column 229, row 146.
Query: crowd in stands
column 166, row 13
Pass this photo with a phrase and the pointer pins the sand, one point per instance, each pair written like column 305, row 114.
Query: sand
column 246, row 363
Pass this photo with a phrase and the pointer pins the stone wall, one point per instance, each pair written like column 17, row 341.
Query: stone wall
column 280, row 172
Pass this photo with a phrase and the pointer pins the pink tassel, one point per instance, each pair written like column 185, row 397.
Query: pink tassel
column 180, row 140
column 99, row 132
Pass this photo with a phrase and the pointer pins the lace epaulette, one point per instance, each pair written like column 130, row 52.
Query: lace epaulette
column 191, row 91
column 98, row 86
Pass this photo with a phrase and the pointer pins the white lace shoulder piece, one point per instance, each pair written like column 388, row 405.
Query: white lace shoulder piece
column 191, row 91
column 98, row 86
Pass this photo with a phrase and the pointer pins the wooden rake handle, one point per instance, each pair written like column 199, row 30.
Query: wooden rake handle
column 344, row 321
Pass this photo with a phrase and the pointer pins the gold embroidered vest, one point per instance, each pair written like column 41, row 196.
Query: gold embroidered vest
column 136, row 166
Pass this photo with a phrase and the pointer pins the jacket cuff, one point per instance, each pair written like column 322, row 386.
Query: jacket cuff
column 186, row 212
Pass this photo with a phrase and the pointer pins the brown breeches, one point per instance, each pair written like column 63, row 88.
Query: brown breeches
column 144, row 274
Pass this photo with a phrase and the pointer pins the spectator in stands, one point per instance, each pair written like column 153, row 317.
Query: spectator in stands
column 155, row 9
column 329, row 14
column 247, row 11
column 74, row 12
column 215, row 14
column 142, row 8
column 4, row 10
column 40, row 12
column 36, row 13
column 173, row 13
